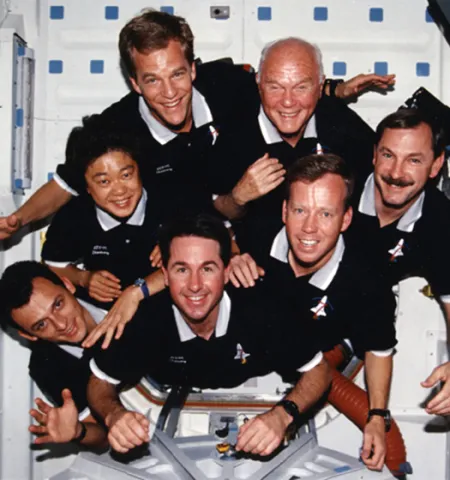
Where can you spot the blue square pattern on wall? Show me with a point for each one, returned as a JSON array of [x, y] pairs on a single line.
[[422, 69], [55, 66], [111, 12], [97, 66], [320, 14], [376, 15], [264, 13], [167, 9], [380, 68], [339, 68], [57, 12]]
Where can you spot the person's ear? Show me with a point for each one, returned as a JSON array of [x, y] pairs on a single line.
[[166, 276], [437, 165], [193, 71], [135, 85], [284, 211], [227, 274], [68, 284], [27, 336], [348, 215]]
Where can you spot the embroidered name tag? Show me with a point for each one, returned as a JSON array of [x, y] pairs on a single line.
[[164, 169], [100, 250], [175, 359]]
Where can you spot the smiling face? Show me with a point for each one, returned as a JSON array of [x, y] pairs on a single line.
[[114, 183], [404, 161], [290, 87], [52, 314], [314, 216], [164, 78], [196, 276]]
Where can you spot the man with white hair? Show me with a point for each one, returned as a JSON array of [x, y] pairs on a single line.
[[294, 117]]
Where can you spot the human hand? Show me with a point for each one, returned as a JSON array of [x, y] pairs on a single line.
[[116, 319], [440, 404], [374, 443], [57, 424], [102, 285], [155, 257], [262, 434], [244, 271], [260, 178], [126, 430], [9, 225], [357, 85]]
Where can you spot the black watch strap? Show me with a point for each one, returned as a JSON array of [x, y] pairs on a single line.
[[292, 409], [381, 412], [80, 437], [332, 84]]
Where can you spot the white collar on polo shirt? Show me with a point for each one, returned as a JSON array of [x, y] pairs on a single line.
[[201, 114], [223, 320], [324, 276], [407, 220], [271, 134]]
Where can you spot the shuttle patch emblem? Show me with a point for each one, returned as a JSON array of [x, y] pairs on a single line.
[[397, 251], [240, 354], [319, 309]]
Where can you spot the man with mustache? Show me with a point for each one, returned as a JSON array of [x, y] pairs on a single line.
[[401, 216]]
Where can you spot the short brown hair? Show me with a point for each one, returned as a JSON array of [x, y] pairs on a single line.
[[312, 167], [153, 30], [409, 118]]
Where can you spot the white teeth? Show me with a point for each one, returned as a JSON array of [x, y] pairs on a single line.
[[121, 203], [196, 299], [289, 115], [309, 243], [173, 104]]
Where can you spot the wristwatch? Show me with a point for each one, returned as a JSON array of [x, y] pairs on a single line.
[[142, 284], [381, 412], [332, 84], [291, 409], [83, 432]]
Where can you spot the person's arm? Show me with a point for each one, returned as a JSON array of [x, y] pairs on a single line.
[[260, 178], [262, 434], [44, 202], [101, 285], [440, 403], [359, 84], [126, 429], [378, 378], [62, 425], [123, 311]]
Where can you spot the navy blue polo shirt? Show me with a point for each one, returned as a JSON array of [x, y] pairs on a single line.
[[82, 233], [348, 298], [417, 244], [177, 164], [335, 126], [250, 339], [54, 367]]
